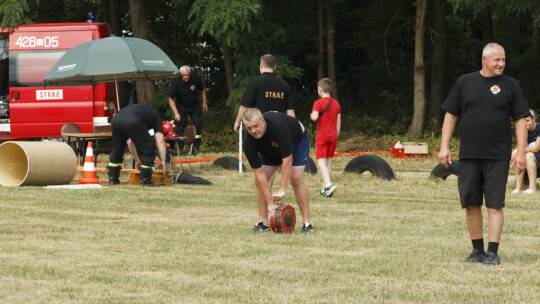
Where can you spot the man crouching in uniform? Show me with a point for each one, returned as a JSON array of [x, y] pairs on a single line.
[[142, 126]]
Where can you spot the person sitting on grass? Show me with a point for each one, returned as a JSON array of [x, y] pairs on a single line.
[[532, 156]]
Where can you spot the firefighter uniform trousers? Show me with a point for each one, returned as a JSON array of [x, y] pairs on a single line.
[[195, 113], [128, 124]]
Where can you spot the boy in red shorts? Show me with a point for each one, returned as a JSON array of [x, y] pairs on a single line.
[[327, 113]]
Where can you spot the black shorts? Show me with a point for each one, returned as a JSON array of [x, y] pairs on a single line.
[[482, 178]]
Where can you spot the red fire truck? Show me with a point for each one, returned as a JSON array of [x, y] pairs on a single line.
[[28, 109]]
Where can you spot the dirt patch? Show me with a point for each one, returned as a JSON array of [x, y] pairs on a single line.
[[362, 143]]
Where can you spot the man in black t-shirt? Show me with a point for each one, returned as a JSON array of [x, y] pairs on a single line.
[[274, 139], [142, 126], [266, 92], [185, 91], [485, 101]]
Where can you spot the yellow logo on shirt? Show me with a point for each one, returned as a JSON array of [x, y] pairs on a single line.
[[269, 94], [275, 144], [495, 89]]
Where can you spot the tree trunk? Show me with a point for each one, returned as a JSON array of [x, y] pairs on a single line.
[[535, 38], [438, 65], [227, 61], [105, 7], [330, 54], [531, 86], [114, 18], [482, 29], [50, 11], [419, 71], [320, 66], [139, 25]]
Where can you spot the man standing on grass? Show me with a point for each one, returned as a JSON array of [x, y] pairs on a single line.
[[485, 101], [184, 101], [274, 139], [266, 92]]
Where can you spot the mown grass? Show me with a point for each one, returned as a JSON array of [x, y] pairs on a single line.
[[376, 241]]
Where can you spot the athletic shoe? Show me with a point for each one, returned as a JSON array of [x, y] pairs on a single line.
[[491, 259], [515, 191], [307, 228], [322, 192], [329, 191], [475, 257], [260, 227], [528, 191]]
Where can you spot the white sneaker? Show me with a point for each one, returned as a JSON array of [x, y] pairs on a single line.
[[528, 191], [329, 191], [515, 191]]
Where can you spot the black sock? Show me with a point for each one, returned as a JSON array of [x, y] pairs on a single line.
[[493, 247], [478, 245]]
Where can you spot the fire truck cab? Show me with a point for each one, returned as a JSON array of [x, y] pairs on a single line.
[[28, 109]]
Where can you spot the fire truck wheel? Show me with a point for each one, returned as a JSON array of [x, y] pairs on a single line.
[[228, 162], [441, 172], [374, 164]]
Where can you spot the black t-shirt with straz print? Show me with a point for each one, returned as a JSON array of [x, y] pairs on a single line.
[[267, 92], [283, 134], [485, 107]]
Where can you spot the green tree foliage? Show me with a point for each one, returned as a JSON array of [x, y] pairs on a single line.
[[374, 50], [224, 20], [242, 25], [518, 7], [14, 12]]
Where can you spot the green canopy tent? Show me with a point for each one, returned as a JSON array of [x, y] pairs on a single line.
[[111, 59]]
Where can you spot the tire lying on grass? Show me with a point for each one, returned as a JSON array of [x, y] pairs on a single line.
[[374, 164], [231, 163], [228, 162], [441, 172], [311, 167]]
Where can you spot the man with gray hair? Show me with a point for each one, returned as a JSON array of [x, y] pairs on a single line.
[[486, 101], [184, 101]]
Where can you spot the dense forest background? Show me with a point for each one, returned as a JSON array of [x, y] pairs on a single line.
[[394, 61]]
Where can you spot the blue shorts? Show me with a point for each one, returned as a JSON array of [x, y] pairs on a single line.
[[300, 154]]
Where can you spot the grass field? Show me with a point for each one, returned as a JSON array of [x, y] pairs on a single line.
[[376, 241]]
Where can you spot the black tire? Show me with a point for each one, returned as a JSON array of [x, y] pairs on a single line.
[[311, 167], [441, 172], [228, 162], [374, 164]]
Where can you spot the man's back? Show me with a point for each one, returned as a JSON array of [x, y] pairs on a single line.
[[267, 92], [326, 122]]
